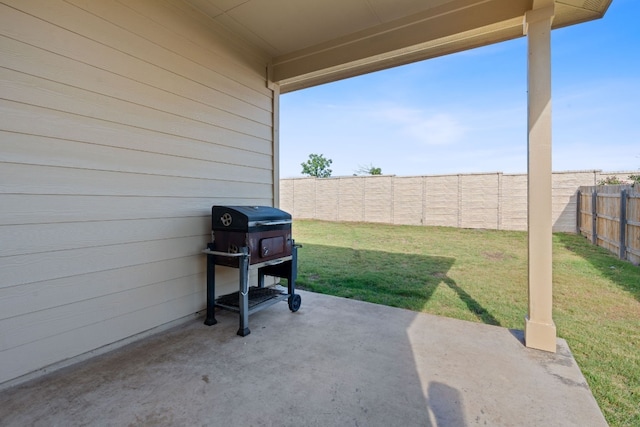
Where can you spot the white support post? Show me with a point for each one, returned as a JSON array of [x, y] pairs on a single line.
[[275, 135], [540, 330]]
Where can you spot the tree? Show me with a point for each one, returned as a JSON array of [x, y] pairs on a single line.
[[368, 170], [317, 166]]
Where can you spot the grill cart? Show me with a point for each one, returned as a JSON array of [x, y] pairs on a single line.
[[251, 239]]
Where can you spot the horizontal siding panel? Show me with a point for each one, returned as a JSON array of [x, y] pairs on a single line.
[[21, 330], [22, 360], [58, 264], [217, 145], [27, 179], [37, 150], [39, 238], [106, 46], [184, 97], [20, 209], [218, 49], [32, 90], [33, 297]]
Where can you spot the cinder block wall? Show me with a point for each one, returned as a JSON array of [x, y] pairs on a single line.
[[484, 200]]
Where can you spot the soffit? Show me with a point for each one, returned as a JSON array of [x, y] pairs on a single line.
[[315, 41]]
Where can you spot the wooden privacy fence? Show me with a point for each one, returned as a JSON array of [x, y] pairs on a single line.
[[486, 200], [610, 216]]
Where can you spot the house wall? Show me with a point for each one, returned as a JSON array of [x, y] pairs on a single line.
[[121, 124]]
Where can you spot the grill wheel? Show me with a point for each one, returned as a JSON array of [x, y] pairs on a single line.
[[294, 302]]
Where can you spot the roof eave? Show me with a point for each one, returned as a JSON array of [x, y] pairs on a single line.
[[357, 55]]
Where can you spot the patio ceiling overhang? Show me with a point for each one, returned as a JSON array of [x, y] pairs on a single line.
[[314, 42], [310, 42]]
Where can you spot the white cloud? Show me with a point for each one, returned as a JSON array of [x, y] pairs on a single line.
[[422, 126], [439, 129]]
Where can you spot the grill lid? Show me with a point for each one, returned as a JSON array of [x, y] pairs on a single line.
[[248, 218]]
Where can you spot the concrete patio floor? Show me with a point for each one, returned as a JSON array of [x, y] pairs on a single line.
[[336, 362]]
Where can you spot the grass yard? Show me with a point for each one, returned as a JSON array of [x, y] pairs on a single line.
[[481, 276]]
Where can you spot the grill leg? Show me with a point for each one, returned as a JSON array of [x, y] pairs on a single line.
[[211, 291], [243, 331], [293, 274]]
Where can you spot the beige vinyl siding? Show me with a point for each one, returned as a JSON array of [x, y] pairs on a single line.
[[121, 124]]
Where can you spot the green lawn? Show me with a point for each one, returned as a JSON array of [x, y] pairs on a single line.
[[481, 276]]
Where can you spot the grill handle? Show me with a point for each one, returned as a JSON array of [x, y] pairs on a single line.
[[261, 223], [274, 262], [227, 254]]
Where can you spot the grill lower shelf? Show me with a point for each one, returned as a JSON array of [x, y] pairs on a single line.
[[258, 298]]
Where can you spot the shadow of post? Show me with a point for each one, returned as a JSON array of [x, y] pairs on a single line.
[[474, 306], [446, 405]]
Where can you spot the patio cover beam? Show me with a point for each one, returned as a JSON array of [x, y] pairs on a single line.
[[449, 27], [540, 330]]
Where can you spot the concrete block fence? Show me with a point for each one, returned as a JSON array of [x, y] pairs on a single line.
[[481, 200]]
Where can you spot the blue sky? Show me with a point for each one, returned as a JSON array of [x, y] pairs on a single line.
[[466, 112]]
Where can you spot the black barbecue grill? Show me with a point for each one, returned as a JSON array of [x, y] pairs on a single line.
[[251, 238]]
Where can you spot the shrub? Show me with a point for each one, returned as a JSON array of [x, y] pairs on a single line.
[[611, 180]]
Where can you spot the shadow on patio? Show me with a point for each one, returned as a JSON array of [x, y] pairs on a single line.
[[336, 362]]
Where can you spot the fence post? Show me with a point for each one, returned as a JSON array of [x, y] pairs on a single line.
[[393, 200], [364, 200], [623, 224], [500, 201], [578, 211], [594, 217], [459, 201], [423, 214]]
